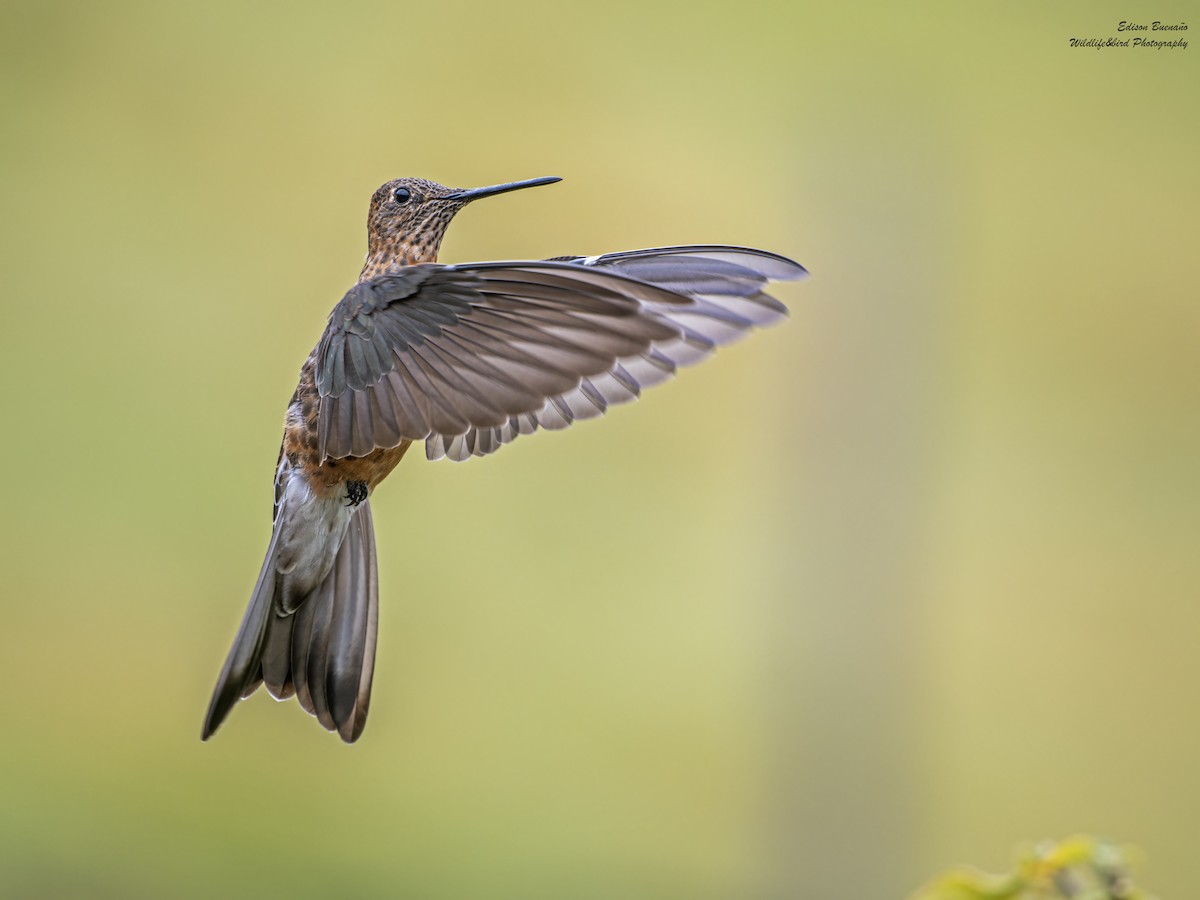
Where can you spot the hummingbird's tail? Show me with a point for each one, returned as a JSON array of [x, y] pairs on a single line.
[[320, 649]]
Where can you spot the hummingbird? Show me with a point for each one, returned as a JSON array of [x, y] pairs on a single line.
[[466, 358]]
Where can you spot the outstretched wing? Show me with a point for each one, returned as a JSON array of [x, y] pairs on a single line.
[[467, 357]]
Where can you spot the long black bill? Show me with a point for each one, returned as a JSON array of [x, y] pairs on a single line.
[[476, 193]]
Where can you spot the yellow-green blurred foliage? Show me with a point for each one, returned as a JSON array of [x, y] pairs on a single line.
[[899, 584], [1080, 868]]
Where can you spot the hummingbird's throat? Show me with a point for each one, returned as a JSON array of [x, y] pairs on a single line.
[[396, 252]]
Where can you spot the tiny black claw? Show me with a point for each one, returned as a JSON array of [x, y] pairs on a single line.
[[356, 492]]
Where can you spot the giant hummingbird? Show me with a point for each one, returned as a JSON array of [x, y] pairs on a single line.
[[466, 358]]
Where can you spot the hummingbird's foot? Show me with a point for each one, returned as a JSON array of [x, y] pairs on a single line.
[[356, 492]]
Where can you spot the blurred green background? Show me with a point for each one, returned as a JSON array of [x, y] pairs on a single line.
[[897, 585]]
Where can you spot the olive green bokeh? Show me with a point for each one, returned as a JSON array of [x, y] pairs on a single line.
[[899, 584]]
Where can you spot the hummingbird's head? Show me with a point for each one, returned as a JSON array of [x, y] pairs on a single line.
[[409, 217]]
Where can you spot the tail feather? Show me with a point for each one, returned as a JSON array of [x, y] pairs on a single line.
[[253, 685], [241, 671], [351, 662], [302, 629], [324, 653], [322, 602], [366, 673], [277, 656], [337, 658]]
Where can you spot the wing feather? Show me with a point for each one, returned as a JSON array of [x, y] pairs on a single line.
[[470, 357]]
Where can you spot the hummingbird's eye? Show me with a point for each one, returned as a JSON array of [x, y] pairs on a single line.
[[402, 194]]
